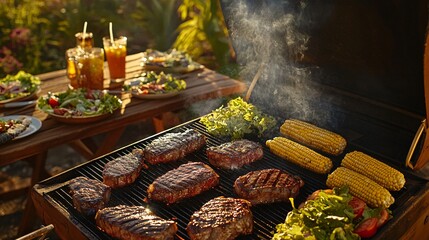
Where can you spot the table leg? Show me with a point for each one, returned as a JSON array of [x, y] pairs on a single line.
[[80, 147], [165, 120], [38, 174], [84, 147], [109, 141], [158, 124]]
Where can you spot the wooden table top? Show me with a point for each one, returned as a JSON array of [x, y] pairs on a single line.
[[201, 84]]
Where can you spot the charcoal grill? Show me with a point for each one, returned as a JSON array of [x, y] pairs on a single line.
[[52, 195], [378, 119]]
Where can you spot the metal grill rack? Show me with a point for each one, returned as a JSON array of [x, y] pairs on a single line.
[[266, 217]]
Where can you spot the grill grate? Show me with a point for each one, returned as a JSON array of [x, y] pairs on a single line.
[[266, 217]]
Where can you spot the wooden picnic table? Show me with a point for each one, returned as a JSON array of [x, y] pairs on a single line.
[[202, 84]]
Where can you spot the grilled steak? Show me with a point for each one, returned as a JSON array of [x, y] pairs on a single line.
[[221, 218], [267, 186], [186, 181], [235, 154], [123, 170], [134, 222], [174, 146], [89, 195]]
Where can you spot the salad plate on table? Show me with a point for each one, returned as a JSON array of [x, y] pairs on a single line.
[[152, 85], [79, 105], [15, 127], [171, 61], [20, 87]]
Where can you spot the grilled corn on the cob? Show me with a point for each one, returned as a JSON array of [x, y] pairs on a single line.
[[379, 172], [360, 186], [300, 155], [313, 136]]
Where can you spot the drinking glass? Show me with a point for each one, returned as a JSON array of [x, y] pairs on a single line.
[[115, 54], [89, 66]]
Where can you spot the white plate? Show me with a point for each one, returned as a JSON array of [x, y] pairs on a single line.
[[155, 95], [35, 125]]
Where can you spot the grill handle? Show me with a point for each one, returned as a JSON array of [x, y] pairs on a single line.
[[424, 153]]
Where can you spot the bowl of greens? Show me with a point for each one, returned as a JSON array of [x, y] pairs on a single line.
[[79, 105], [19, 87], [152, 85]]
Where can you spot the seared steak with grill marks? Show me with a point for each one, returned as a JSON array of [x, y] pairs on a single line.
[[267, 186], [221, 218], [89, 195], [134, 222], [186, 181], [235, 154], [123, 170], [174, 146]]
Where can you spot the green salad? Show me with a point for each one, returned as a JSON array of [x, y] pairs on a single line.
[[332, 214], [237, 119], [20, 85], [168, 59], [79, 102], [153, 83]]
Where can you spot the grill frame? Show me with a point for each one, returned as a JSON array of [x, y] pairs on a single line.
[[55, 191]]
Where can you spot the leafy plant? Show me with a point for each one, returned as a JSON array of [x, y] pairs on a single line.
[[29, 36], [159, 20], [203, 31]]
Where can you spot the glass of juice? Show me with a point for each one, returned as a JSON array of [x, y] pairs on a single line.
[[116, 52], [90, 68]]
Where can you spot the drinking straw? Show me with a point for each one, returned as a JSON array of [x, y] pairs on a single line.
[[84, 31], [111, 34]]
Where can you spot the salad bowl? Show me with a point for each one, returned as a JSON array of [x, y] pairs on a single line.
[[79, 105]]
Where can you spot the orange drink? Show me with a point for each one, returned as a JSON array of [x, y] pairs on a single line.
[[115, 54]]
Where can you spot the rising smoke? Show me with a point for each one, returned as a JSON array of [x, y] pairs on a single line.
[[269, 33]]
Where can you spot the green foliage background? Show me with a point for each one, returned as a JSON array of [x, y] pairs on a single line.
[[48, 28]]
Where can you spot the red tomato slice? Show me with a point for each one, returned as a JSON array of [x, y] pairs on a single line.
[[367, 228], [358, 206], [384, 216], [53, 102]]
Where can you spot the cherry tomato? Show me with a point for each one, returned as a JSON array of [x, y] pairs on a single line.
[[367, 228], [358, 206], [53, 102], [384, 216]]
